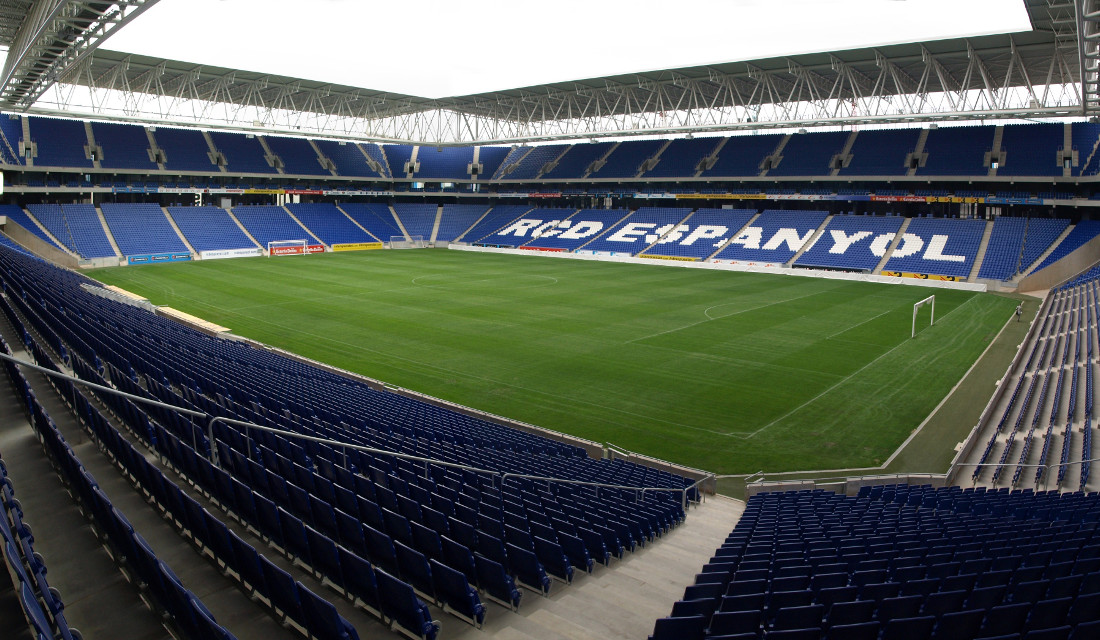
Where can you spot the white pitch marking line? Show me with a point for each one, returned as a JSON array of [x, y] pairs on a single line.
[[859, 325], [846, 378], [706, 312]]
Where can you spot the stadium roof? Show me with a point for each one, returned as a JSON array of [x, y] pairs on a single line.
[[1030, 74]]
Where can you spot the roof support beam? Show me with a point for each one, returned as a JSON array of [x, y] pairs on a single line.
[[899, 83], [1088, 35], [55, 36]]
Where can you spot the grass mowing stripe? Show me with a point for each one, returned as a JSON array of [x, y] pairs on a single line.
[[845, 379], [625, 353]]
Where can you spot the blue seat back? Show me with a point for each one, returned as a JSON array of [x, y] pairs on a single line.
[[322, 619], [359, 578], [452, 588], [526, 567], [282, 590], [494, 580], [400, 604], [414, 568]]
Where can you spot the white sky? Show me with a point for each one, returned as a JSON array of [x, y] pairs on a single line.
[[439, 48]]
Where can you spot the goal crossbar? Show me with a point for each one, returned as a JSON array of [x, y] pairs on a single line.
[[930, 300], [286, 247], [412, 242]]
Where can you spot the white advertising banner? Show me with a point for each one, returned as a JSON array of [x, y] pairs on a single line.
[[230, 253]]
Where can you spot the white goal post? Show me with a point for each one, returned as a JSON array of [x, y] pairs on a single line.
[[286, 247], [931, 320], [412, 242]]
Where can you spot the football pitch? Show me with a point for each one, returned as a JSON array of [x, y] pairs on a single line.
[[724, 371]]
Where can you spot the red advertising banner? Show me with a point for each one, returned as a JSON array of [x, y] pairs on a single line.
[[287, 251], [315, 248], [304, 192], [542, 249]]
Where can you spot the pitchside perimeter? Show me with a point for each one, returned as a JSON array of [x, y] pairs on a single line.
[[730, 372]]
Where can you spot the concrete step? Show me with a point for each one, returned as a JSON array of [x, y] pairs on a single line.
[[179, 232], [107, 232]]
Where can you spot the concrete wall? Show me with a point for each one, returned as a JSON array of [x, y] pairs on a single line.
[[1064, 269], [709, 484], [38, 246], [774, 269], [849, 486]]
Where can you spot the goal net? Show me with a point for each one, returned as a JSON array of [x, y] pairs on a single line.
[[286, 248], [930, 301], [412, 242]]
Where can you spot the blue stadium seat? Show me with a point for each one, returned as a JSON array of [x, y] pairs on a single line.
[[210, 229], [322, 619], [528, 570], [576, 551], [855, 243], [857, 631], [414, 569], [297, 156], [553, 558], [496, 583], [452, 588], [774, 238], [916, 628], [686, 628], [61, 142], [401, 606], [938, 246]]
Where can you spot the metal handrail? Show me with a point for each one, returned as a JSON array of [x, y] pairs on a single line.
[[346, 445], [600, 485], [337, 443], [616, 449], [723, 476], [695, 485], [99, 387]]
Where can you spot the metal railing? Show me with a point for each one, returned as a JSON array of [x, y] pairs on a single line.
[[211, 420], [672, 467]]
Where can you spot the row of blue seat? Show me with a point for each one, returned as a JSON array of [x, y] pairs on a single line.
[[42, 605], [187, 611], [518, 531], [1067, 324], [388, 597], [900, 562], [950, 151], [382, 594]]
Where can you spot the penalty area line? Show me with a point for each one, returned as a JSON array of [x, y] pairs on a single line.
[[844, 379], [706, 312], [854, 326]]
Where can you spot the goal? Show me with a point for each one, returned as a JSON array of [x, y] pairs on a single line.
[[286, 248], [930, 300], [412, 242]]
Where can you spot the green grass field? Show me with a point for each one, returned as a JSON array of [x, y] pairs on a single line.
[[729, 372]]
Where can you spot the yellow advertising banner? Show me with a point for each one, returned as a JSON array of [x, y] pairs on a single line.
[[357, 246], [922, 276], [265, 192], [656, 257], [955, 200]]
